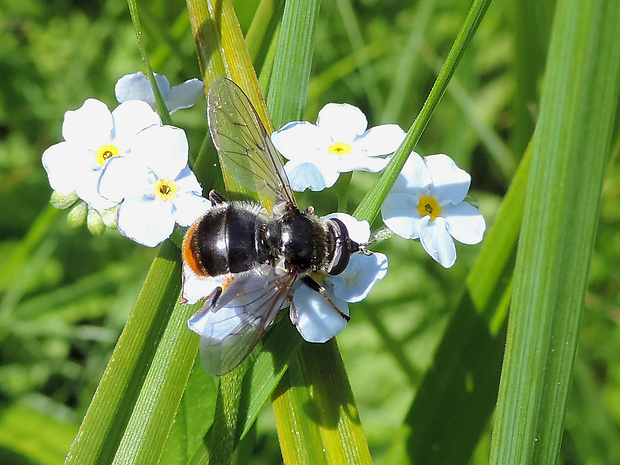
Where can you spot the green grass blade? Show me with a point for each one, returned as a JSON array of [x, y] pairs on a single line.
[[317, 419], [288, 87], [531, 40], [369, 207], [193, 419], [330, 432], [139, 376], [243, 392], [264, 24], [570, 154], [457, 395]]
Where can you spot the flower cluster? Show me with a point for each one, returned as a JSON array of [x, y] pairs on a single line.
[[427, 201], [126, 165], [125, 161], [338, 143]]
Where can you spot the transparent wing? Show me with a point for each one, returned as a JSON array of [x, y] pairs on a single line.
[[231, 326], [242, 141]]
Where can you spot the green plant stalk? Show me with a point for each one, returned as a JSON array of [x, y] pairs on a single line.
[[571, 149], [243, 392], [242, 400], [315, 410], [162, 109], [264, 24], [336, 436], [120, 396], [288, 86], [371, 203], [457, 394], [503, 161]]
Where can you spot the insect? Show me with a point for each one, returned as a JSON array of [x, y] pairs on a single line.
[[249, 256]]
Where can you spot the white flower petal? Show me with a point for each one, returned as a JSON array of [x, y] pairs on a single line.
[[464, 222], [135, 86], [64, 165], [87, 191], [125, 177], [196, 287], [343, 122], [380, 140], [307, 175], [357, 161], [164, 149], [437, 241], [315, 318], [138, 87], [187, 182], [185, 95], [414, 178], [90, 126], [400, 214], [359, 231], [359, 277], [129, 119], [145, 220], [450, 183], [188, 207], [300, 140]]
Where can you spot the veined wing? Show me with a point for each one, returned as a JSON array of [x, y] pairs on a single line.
[[243, 143], [231, 326]]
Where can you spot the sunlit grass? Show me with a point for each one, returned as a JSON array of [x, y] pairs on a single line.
[[65, 295]]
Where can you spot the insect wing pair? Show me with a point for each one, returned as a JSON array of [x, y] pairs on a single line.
[[237, 313]]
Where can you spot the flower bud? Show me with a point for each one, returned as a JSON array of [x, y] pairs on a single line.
[[95, 223], [63, 200], [77, 215]]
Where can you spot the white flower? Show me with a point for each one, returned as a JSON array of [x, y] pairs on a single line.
[[338, 143], [137, 87], [427, 202], [319, 318], [93, 136], [155, 186]]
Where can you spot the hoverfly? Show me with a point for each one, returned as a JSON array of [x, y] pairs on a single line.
[[243, 259]]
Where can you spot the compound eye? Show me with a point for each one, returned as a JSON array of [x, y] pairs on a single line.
[[342, 247]]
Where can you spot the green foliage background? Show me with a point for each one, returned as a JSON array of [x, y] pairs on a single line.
[[65, 295]]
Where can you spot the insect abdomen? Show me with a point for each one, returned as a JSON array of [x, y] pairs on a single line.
[[225, 240]]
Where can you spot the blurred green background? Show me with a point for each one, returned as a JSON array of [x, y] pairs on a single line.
[[65, 295]]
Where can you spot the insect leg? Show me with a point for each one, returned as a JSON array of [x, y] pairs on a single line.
[[312, 284], [216, 295], [216, 198]]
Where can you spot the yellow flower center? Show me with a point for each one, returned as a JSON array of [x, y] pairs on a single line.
[[428, 206], [165, 189], [105, 152], [339, 148]]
